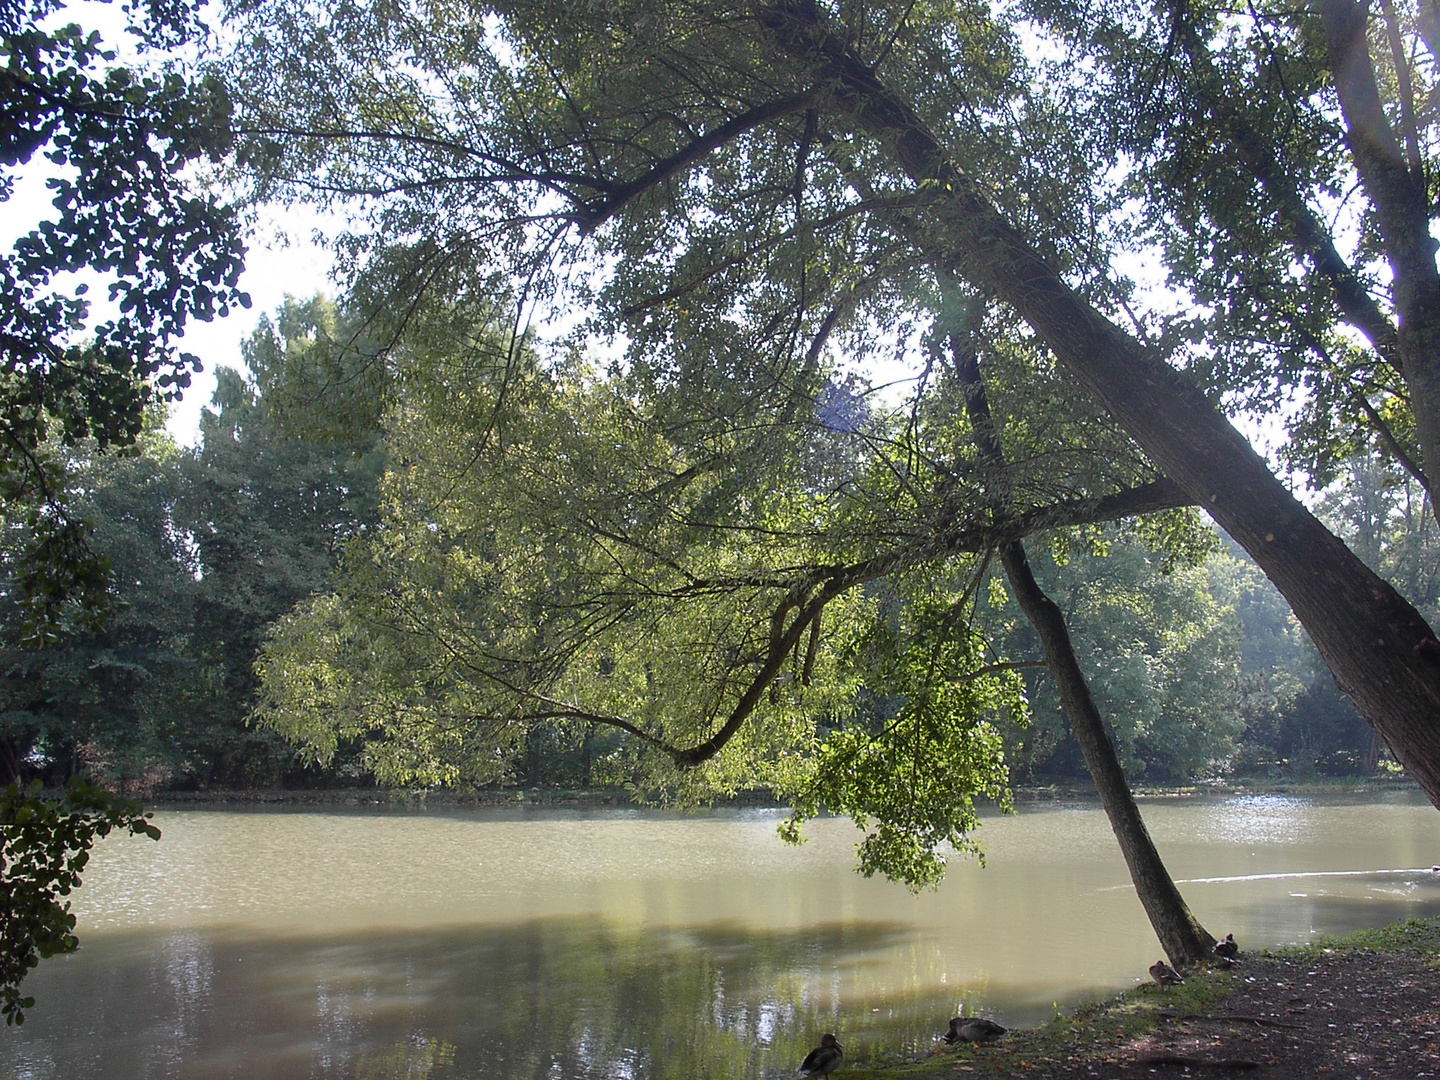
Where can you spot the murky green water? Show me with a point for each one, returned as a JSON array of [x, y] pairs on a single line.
[[630, 946]]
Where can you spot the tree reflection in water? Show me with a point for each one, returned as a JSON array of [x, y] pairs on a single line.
[[563, 998]]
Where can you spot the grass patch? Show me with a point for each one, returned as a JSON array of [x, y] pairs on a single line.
[[1421, 936]]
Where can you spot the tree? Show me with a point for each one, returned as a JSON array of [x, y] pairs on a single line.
[[1239, 132], [1384, 516], [1162, 651], [562, 546], [1180, 933], [267, 502], [749, 173], [107, 700], [120, 143], [206, 547]]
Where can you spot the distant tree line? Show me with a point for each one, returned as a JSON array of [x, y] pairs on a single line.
[[207, 546]]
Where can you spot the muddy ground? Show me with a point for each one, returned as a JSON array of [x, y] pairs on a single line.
[[1362, 1007]]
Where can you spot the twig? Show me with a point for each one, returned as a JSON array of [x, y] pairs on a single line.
[[1197, 1062], [1263, 1021]]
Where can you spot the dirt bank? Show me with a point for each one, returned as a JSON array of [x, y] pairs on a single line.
[[1366, 1007]]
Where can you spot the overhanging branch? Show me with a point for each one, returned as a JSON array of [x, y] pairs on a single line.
[[596, 214]]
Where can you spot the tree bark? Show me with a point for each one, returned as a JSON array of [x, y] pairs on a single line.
[[1182, 937], [1381, 651]]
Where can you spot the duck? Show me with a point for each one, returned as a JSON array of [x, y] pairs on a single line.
[[1227, 949], [824, 1059], [975, 1029], [1165, 975]]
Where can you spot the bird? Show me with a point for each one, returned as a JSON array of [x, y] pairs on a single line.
[[1227, 949], [823, 1060], [1165, 975], [976, 1029]]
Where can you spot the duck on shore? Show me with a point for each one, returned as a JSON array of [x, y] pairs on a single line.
[[1227, 949], [1165, 975], [824, 1059], [974, 1029]]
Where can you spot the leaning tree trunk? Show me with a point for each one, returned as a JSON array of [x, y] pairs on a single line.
[[1382, 652], [1182, 937]]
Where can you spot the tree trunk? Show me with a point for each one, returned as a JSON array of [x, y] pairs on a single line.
[[1371, 764], [1182, 937], [1400, 195], [534, 758], [1382, 653], [1184, 940]]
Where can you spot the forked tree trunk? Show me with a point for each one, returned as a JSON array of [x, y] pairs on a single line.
[[1399, 192], [1182, 937], [1382, 652]]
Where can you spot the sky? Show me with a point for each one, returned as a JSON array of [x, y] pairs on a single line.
[[282, 261]]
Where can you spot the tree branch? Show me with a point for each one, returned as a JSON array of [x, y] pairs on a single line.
[[1387, 436], [1406, 89], [596, 214], [1309, 234]]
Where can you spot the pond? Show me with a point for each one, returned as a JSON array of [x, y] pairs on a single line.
[[627, 945]]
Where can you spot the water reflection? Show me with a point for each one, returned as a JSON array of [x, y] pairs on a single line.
[[592, 946], [1261, 819], [414, 1058], [554, 997]]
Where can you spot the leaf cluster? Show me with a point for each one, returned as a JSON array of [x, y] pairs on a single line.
[[911, 781], [121, 145], [44, 845]]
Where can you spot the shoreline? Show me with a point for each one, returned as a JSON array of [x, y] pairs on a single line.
[[1362, 1006], [620, 798]]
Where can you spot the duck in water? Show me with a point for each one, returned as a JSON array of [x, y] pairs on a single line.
[[823, 1060], [976, 1029]]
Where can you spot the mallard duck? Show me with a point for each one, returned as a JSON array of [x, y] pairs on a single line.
[[975, 1029], [1227, 949], [823, 1060], [1165, 975]]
